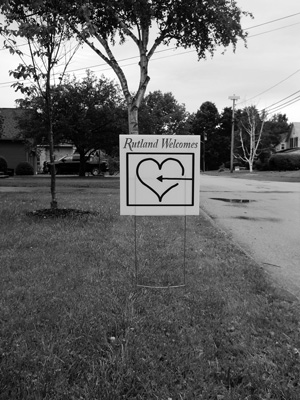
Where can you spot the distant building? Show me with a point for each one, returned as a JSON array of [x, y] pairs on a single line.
[[15, 149], [12, 146], [291, 139]]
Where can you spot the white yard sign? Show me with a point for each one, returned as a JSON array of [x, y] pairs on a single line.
[[159, 175]]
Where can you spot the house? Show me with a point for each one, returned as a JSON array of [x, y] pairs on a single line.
[[12, 146], [15, 149], [291, 139]]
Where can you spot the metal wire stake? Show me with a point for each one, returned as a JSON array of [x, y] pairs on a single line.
[[136, 261]]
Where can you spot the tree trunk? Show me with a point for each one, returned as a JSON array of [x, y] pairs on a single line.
[[48, 99], [53, 203], [133, 123]]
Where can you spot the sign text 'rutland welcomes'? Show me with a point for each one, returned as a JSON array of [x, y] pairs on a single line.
[[166, 143]]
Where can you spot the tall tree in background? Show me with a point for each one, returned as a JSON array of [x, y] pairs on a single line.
[[46, 34], [273, 129], [160, 113], [251, 127], [203, 26], [87, 113], [205, 124]]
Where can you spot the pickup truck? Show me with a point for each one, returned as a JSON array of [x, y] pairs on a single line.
[[71, 164]]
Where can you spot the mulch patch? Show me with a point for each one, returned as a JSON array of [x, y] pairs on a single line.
[[59, 213]]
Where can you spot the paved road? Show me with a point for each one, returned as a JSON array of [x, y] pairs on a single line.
[[264, 218]]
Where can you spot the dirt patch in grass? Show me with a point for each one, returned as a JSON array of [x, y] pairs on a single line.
[[59, 213]]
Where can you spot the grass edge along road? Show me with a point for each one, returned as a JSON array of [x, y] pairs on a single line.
[[74, 326]]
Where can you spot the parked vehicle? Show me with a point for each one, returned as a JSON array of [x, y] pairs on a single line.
[[71, 164]]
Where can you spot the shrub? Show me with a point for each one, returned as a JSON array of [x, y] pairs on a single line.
[[113, 165], [236, 163], [3, 165], [287, 161], [261, 165], [24, 168]]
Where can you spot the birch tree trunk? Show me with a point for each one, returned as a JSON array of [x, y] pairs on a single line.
[[253, 127], [133, 123]]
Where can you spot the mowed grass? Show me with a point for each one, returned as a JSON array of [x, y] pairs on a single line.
[[74, 325]]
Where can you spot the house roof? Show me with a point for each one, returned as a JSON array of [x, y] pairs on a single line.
[[10, 123], [285, 137]]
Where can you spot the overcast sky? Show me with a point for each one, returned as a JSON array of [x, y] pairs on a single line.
[[267, 72]]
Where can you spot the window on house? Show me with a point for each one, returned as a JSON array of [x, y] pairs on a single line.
[[296, 142], [291, 143]]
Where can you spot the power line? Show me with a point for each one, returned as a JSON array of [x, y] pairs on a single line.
[[164, 50], [280, 106], [293, 94], [273, 30], [274, 20], [284, 105], [272, 87]]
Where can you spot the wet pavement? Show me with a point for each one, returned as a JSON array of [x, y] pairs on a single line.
[[263, 218]]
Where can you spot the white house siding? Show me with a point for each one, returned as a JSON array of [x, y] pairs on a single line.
[[291, 140], [294, 140]]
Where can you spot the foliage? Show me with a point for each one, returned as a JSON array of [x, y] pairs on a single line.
[[46, 34], [205, 123], [3, 165], [113, 165], [24, 168], [87, 113], [273, 129], [262, 161], [161, 114], [285, 161], [198, 25], [250, 129]]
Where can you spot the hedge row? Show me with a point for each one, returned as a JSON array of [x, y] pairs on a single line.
[[3, 165], [287, 161]]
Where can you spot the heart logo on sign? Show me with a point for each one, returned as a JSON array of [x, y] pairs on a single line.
[[148, 178]]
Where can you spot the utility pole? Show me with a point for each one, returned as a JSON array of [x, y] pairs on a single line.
[[234, 98]]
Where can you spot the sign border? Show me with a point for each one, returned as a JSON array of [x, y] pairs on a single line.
[[191, 204]]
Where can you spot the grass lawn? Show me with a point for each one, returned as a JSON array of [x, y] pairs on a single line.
[[73, 324]]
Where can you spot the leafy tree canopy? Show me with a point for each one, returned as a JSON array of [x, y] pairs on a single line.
[[206, 120], [86, 113], [202, 25], [274, 128], [46, 33], [160, 114]]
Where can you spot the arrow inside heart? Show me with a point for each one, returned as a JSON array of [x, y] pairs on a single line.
[[160, 178]]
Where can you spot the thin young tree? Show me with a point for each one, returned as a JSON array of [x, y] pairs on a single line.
[[251, 127], [47, 37], [202, 25]]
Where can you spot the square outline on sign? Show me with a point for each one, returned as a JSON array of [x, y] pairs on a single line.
[[161, 205]]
